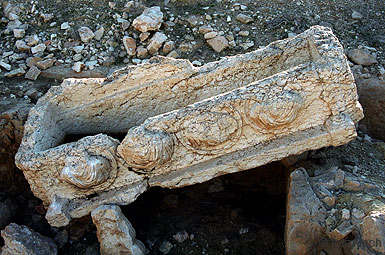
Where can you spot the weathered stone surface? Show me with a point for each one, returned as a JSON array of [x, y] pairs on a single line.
[[21, 240], [150, 20], [184, 124], [115, 233], [305, 215], [372, 98]]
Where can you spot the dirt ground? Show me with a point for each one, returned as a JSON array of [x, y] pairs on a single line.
[[243, 213]]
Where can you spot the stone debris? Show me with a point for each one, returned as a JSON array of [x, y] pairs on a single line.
[[40, 48], [356, 15], [115, 233], [244, 18], [45, 64], [218, 43], [5, 66], [21, 240], [14, 73], [230, 122], [78, 67], [99, 33], [64, 26], [342, 231], [18, 32], [32, 73], [373, 231], [305, 215], [86, 34], [130, 45], [150, 20], [156, 42], [361, 57], [181, 236], [166, 247]]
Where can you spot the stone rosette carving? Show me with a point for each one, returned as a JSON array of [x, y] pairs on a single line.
[[95, 168], [210, 131], [145, 149], [267, 115], [183, 124]]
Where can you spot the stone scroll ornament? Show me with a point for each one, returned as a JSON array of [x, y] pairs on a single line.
[[91, 142]]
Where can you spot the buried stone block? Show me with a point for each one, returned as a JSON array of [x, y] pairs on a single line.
[[183, 124]]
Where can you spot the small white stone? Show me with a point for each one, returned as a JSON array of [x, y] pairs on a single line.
[[64, 26], [5, 66], [18, 32], [78, 49], [86, 34], [77, 67], [210, 35], [38, 48], [345, 214], [356, 15]]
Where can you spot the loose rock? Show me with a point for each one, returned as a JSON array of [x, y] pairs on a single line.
[[156, 42], [21, 240], [32, 73], [244, 18], [86, 34], [218, 43], [361, 57], [130, 45], [115, 233], [150, 20]]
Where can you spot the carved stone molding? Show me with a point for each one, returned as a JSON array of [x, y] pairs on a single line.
[[184, 125]]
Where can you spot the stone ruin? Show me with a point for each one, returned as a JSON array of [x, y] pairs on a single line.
[[104, 141]]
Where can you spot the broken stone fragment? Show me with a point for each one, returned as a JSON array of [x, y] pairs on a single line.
[[21, 240], [244, 18], [38, 48], [373, 231], [32, 73], [156, 42], [14, 73], [45, 64], [341, 231], [99, 33], [305, 215], [86, 34], [78, 67], [150, 20], [218, 43], [115, 233], [5, 66], [21, 46], [130, 45], [185, 125]]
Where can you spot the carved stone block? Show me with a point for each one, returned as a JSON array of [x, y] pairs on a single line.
[[166, 123]]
